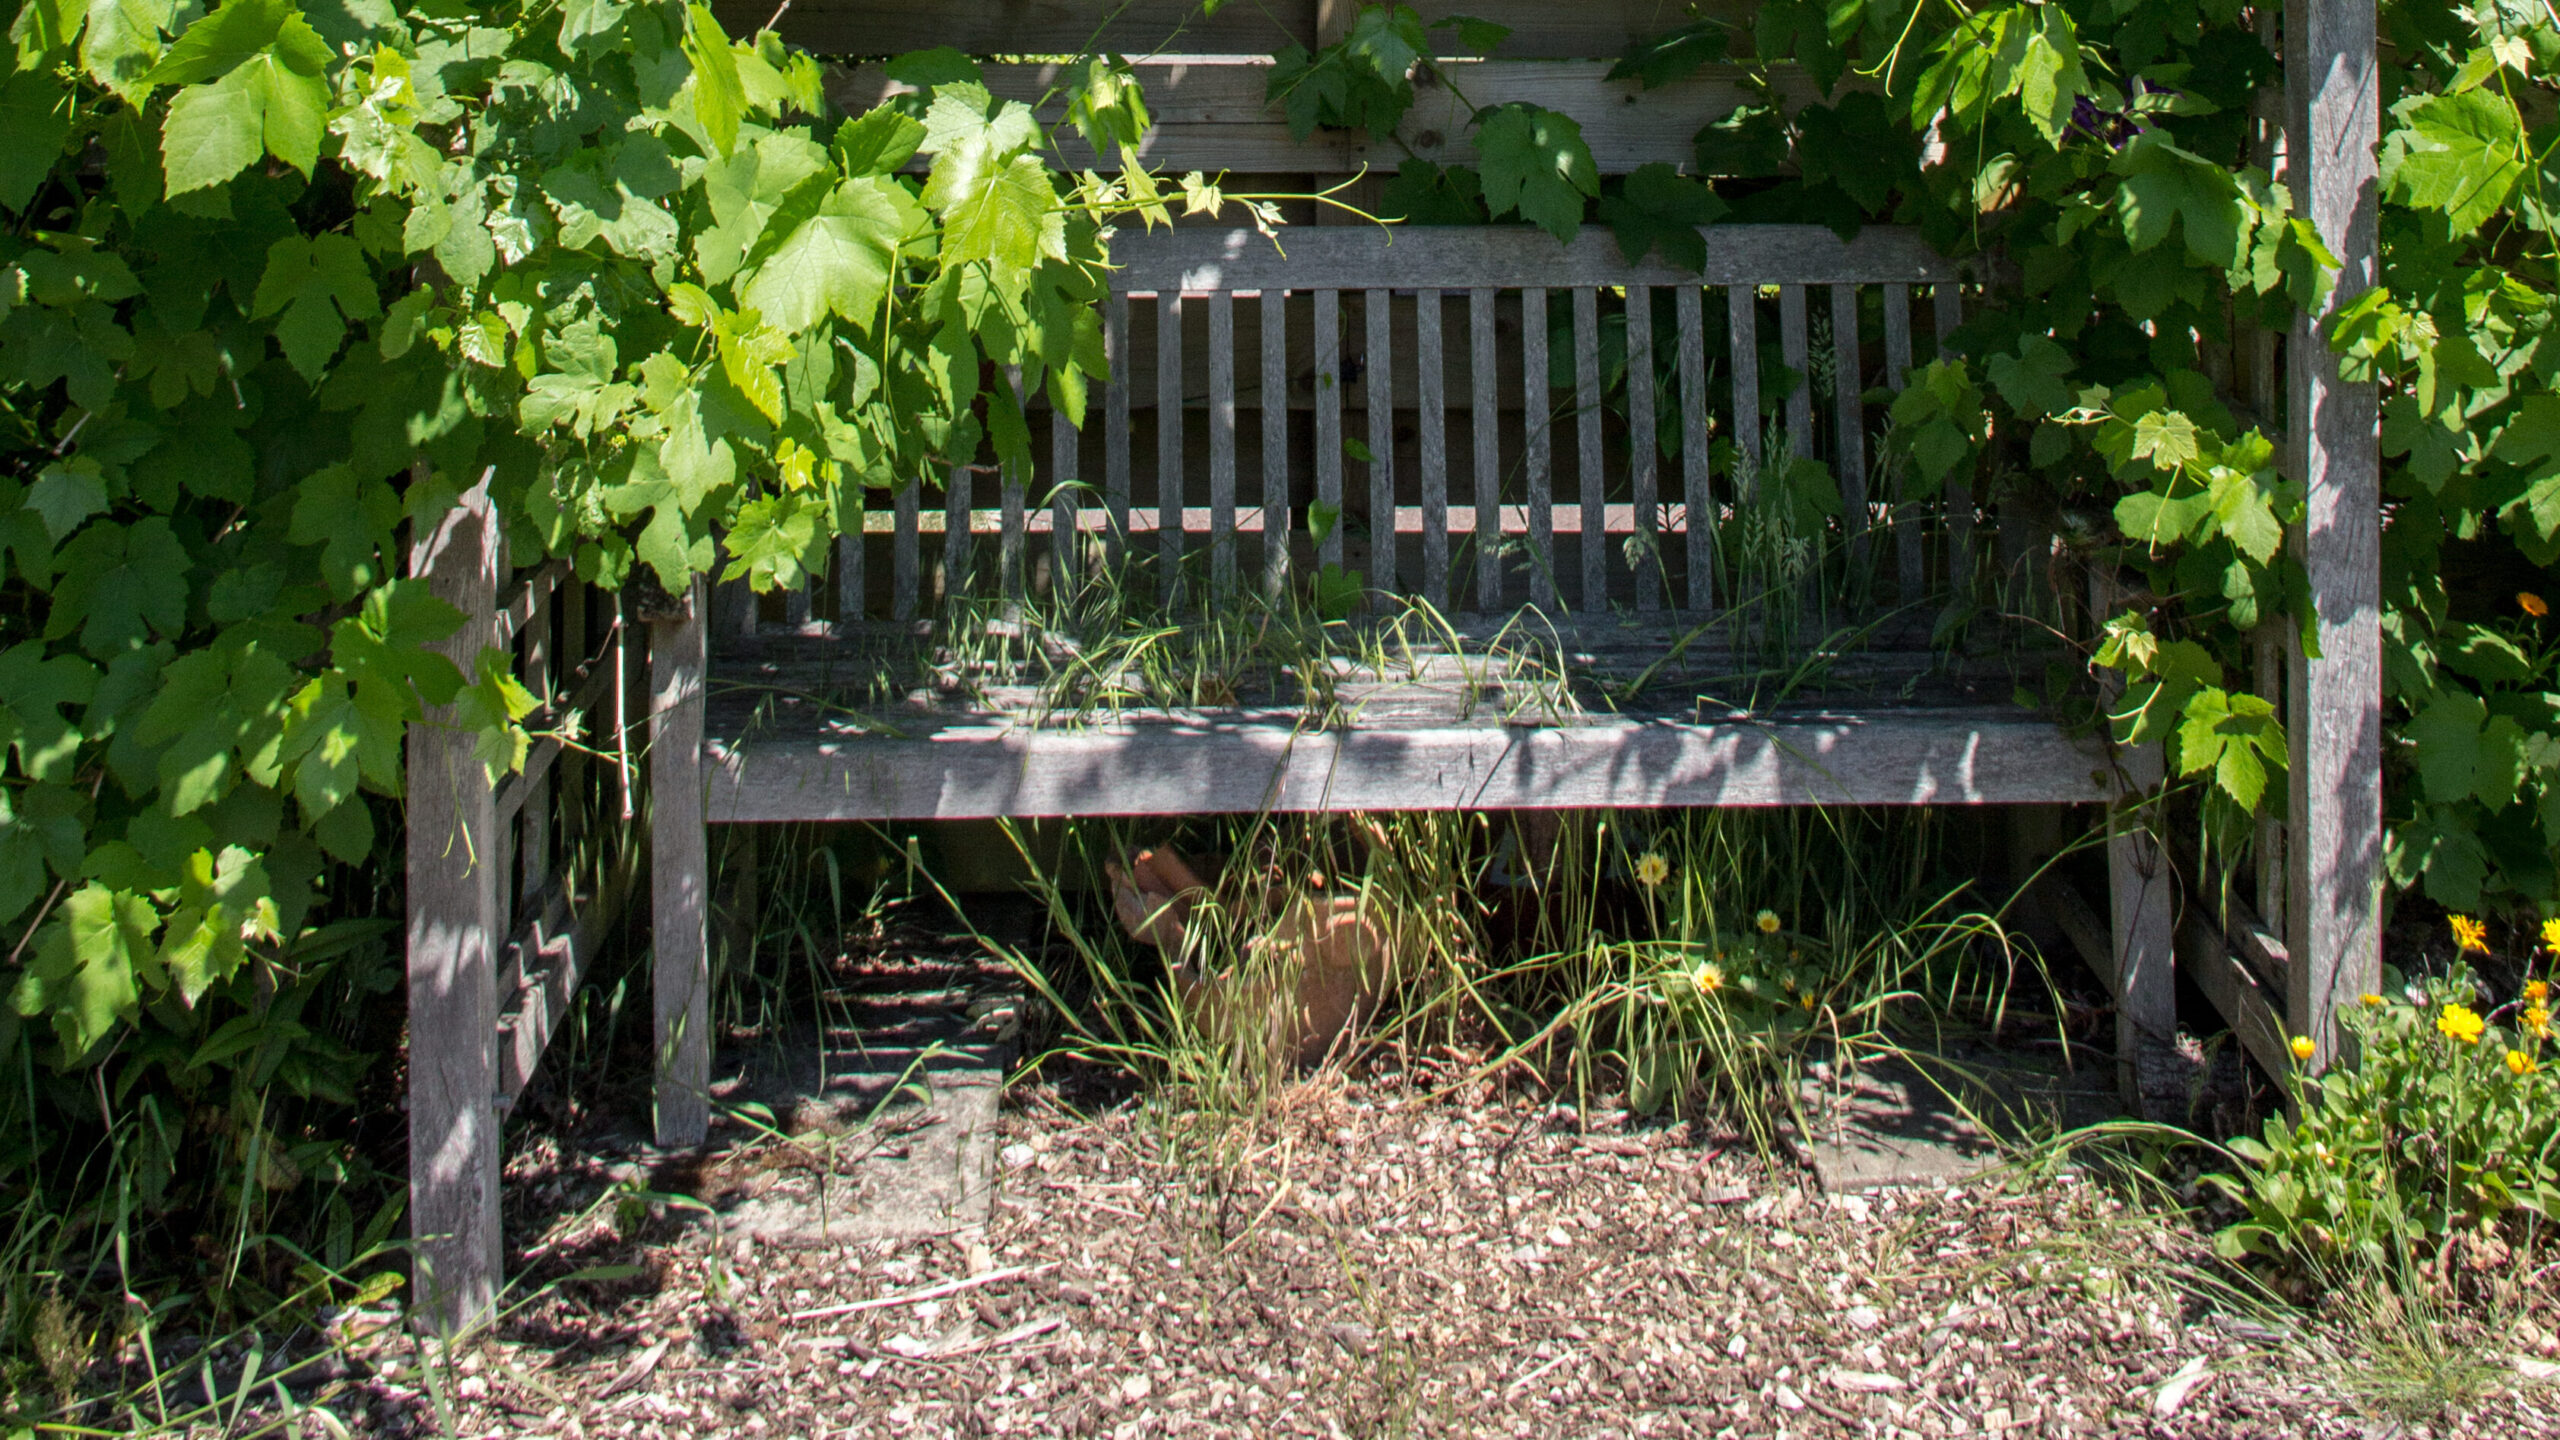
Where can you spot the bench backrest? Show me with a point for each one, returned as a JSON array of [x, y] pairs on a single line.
[[1445, 411]]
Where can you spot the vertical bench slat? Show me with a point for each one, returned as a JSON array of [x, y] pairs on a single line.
[[1378, 390], [795, 603], [1537, 412], [1169, 507], [1115, 431], [906, 564], [453, 939], [1329, 422], [1275, 443], [1587, 453], [1484, 421], [1431, 420], [1064, 503], [1699, 504], [1949, 302], [577, 646], [680, 868], [1793, 345], [1742, 314], [1851, 408], [1015, 485], [1222, 444], [533, 844], [849, 546], [1909, 559], [956, 539], [1641, 448]]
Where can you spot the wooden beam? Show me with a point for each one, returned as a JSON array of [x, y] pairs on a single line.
[[680, 878], [1511, 257], [455, 842], [2333, 886], [2247, 1007], [1210, 114], [1244, 764], [2142, 906]]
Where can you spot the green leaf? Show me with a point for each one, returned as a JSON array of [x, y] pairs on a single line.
[[490, 708], [1482, 36], [878, 142], [119, 584], [2164, 184], [1535, 163], [2244, 510], [223, 904], [839, 260], [1658, 208], [719, 94], [2447, 734], [1386, 40], [67, 493], [770, 537], [225, 38], [1672, 55], [2032, 379], [89, 967], [2458, 154], [34, 690], [1859, 144], [35, 113], [352, 521], [213, 131]]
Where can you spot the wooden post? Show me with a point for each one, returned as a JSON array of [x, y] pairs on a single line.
[[2334, 703], [679, 873], [455, 847]]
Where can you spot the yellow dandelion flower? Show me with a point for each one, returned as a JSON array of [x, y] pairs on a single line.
[[1652, 869], [2371, 1000], [2302, 1047], [2551, 934], [2461, 1022], [1767, 920], [2469, 934], [2531, 604], [2519, 1063], [2537, 1022], [2537, 991]]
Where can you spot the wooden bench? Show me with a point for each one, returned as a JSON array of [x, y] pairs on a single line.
[[1242, 379]]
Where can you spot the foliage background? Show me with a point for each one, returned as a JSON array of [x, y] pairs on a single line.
[[276, 280]]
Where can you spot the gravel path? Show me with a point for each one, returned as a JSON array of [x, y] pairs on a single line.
[[1377, 1261]]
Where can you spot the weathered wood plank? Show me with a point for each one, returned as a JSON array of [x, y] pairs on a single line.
[[680, 879], [1948, 302], [1850, 408], [1795, 347], [1643, 449], [1588, 467], [549, 956], [1198, 261], [1431, 424], [905, 564], [1910, 562], [1210, 115], [1328, 322], [1115, 430], [1015, 484], [454, 924], [1169, 496], [1066, 495], [2333, 888], [1237, 766], [1484, 421], [2247, 1007], [2142, 905], [957, 533], [1222, 445], [1695, 405], [1275, 443], [1377, 381], [533, 824], [1742, 317], [1538, 410]]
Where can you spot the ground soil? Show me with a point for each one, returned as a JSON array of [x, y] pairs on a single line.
[[1408, 1254]]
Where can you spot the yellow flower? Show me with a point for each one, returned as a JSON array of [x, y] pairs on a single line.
[[1709, 978], [2302, 1047], [2468, 933], [1808, 1002], [2461, 1022], [2537, 991], [2551, 934], [2371, 1000], [2531, 604], [2519, 1063], [2537, 1022], [1652, 869], [1767, 920]]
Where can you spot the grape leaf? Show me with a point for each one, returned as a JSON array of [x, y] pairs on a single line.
[[1659, 60], [1477, 34], [1659, 208], [34, 690], [1534, 163], [837, 261], [2458, 154], [35, 114], [89, 966]]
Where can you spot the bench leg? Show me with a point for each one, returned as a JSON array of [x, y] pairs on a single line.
[[2142, 901], [679, 875], [453, 918]]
